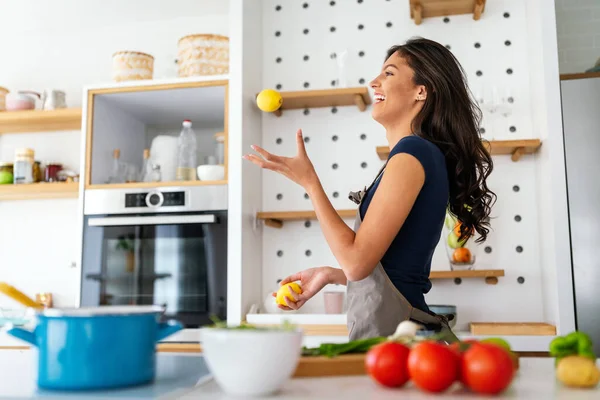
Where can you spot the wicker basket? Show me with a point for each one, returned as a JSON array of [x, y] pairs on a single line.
[[132, 66], [3, 92], [203, 54]]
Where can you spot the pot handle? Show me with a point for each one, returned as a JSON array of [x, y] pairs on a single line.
[[167, 329], [23, 334]]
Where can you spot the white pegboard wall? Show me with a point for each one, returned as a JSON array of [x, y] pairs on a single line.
[[299, 38]]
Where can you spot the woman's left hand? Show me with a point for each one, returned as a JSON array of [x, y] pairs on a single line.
[[299, 169]]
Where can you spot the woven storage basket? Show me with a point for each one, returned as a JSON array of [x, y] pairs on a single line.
[[132, 66], [203, 54], [3, 92]]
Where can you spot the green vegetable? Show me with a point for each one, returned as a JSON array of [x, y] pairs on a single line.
[[336, 349], [575, 343], [285, 326]]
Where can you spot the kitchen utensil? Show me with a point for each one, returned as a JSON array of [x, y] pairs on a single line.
[[18, 296], [203, 54], [211, 172], [448, 311], [131, 66], [250, 362], [22, 100], [3, 93], [53, 99], [97, 347]]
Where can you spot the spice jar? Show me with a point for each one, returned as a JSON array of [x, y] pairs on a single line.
[[6, 173], [52, 170], [38, 175], [23, 168]]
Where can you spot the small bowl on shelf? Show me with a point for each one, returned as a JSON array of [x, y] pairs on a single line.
[[209, 172], [448, 311]]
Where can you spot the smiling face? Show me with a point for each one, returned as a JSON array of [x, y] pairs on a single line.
[[397, 99]]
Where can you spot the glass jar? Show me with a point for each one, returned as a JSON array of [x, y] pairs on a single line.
[[51, 172], [461, 253], [6, 173], [220, 150], [38, 175], [23, 167]]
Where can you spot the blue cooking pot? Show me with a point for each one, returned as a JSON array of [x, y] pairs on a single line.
[[97, 348]]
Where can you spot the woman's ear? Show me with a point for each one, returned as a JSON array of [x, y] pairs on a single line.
[[422, 93]]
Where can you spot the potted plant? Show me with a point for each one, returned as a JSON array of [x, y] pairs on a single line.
[[126, 244]]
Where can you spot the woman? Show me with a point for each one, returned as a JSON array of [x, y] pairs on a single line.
[[437, 161]]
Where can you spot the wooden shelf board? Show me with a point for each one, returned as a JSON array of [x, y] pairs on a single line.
[[490, 275], [581, 75], [513, 328], [516, 148], [301, 99], [64, 119], [275, 219], [420, 9], [144, 185], [39, 191]]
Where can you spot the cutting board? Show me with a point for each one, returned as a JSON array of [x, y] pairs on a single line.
[[344, 365]]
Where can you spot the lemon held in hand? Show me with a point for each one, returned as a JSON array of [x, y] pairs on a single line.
[[284, 291], [269, 100]]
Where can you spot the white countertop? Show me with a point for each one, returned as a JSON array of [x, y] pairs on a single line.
[[535, 380], [186, 377]]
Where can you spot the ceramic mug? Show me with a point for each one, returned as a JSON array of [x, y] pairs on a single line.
[[97, 347]]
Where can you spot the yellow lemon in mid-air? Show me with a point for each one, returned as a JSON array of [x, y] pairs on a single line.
[[284, 291], [269, 100]]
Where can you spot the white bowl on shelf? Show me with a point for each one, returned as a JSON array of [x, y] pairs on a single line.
[[209, 172], [248, 362]]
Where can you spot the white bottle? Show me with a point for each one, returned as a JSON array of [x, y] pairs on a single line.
[[186, 153]]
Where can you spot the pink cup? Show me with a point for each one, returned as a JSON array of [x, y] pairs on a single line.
[[334, 302]]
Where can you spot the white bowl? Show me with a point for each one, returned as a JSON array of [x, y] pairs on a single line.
[[251, 362], [211, 172]]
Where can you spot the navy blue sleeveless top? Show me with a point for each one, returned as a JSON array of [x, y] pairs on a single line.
[[408, 259]]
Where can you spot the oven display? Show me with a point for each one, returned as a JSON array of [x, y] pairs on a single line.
[[154, 199]]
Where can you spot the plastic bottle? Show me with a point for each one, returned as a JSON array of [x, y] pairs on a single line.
[[186, 151]]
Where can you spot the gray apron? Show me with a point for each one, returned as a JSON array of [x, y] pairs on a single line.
[[376, 306]]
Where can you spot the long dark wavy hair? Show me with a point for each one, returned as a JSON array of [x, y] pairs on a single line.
[[450, 119]]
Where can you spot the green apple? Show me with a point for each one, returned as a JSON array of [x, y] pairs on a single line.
[[5, 177], [450, 221], [453, 241]]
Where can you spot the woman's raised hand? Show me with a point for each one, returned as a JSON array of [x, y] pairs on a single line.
[[299, 168]]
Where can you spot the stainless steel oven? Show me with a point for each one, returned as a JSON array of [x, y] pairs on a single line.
[[165, 246]]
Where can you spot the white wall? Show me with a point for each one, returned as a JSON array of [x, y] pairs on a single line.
[[578, 23], [68, 44]]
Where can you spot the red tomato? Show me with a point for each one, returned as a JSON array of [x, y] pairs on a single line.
[[487, 368], [433, 367], [386, 364]]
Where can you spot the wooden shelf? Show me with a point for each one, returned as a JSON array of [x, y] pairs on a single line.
[[36, 191], [145, 185], [358, 96], [420, 9], [513, 328], [65, 119], [490, 275], [581, 75], [514, 148], [275, 219]]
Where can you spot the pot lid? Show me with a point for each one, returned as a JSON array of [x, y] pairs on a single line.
[[101, 311]]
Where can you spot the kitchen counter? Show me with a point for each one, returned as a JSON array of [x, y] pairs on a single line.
[[181, 376]]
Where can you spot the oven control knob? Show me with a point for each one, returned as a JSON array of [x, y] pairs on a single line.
[[154, 199]]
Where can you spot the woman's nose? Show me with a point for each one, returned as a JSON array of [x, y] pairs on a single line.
[[374, 83]]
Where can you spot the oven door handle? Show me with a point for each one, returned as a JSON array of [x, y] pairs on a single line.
[[153, 220]]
